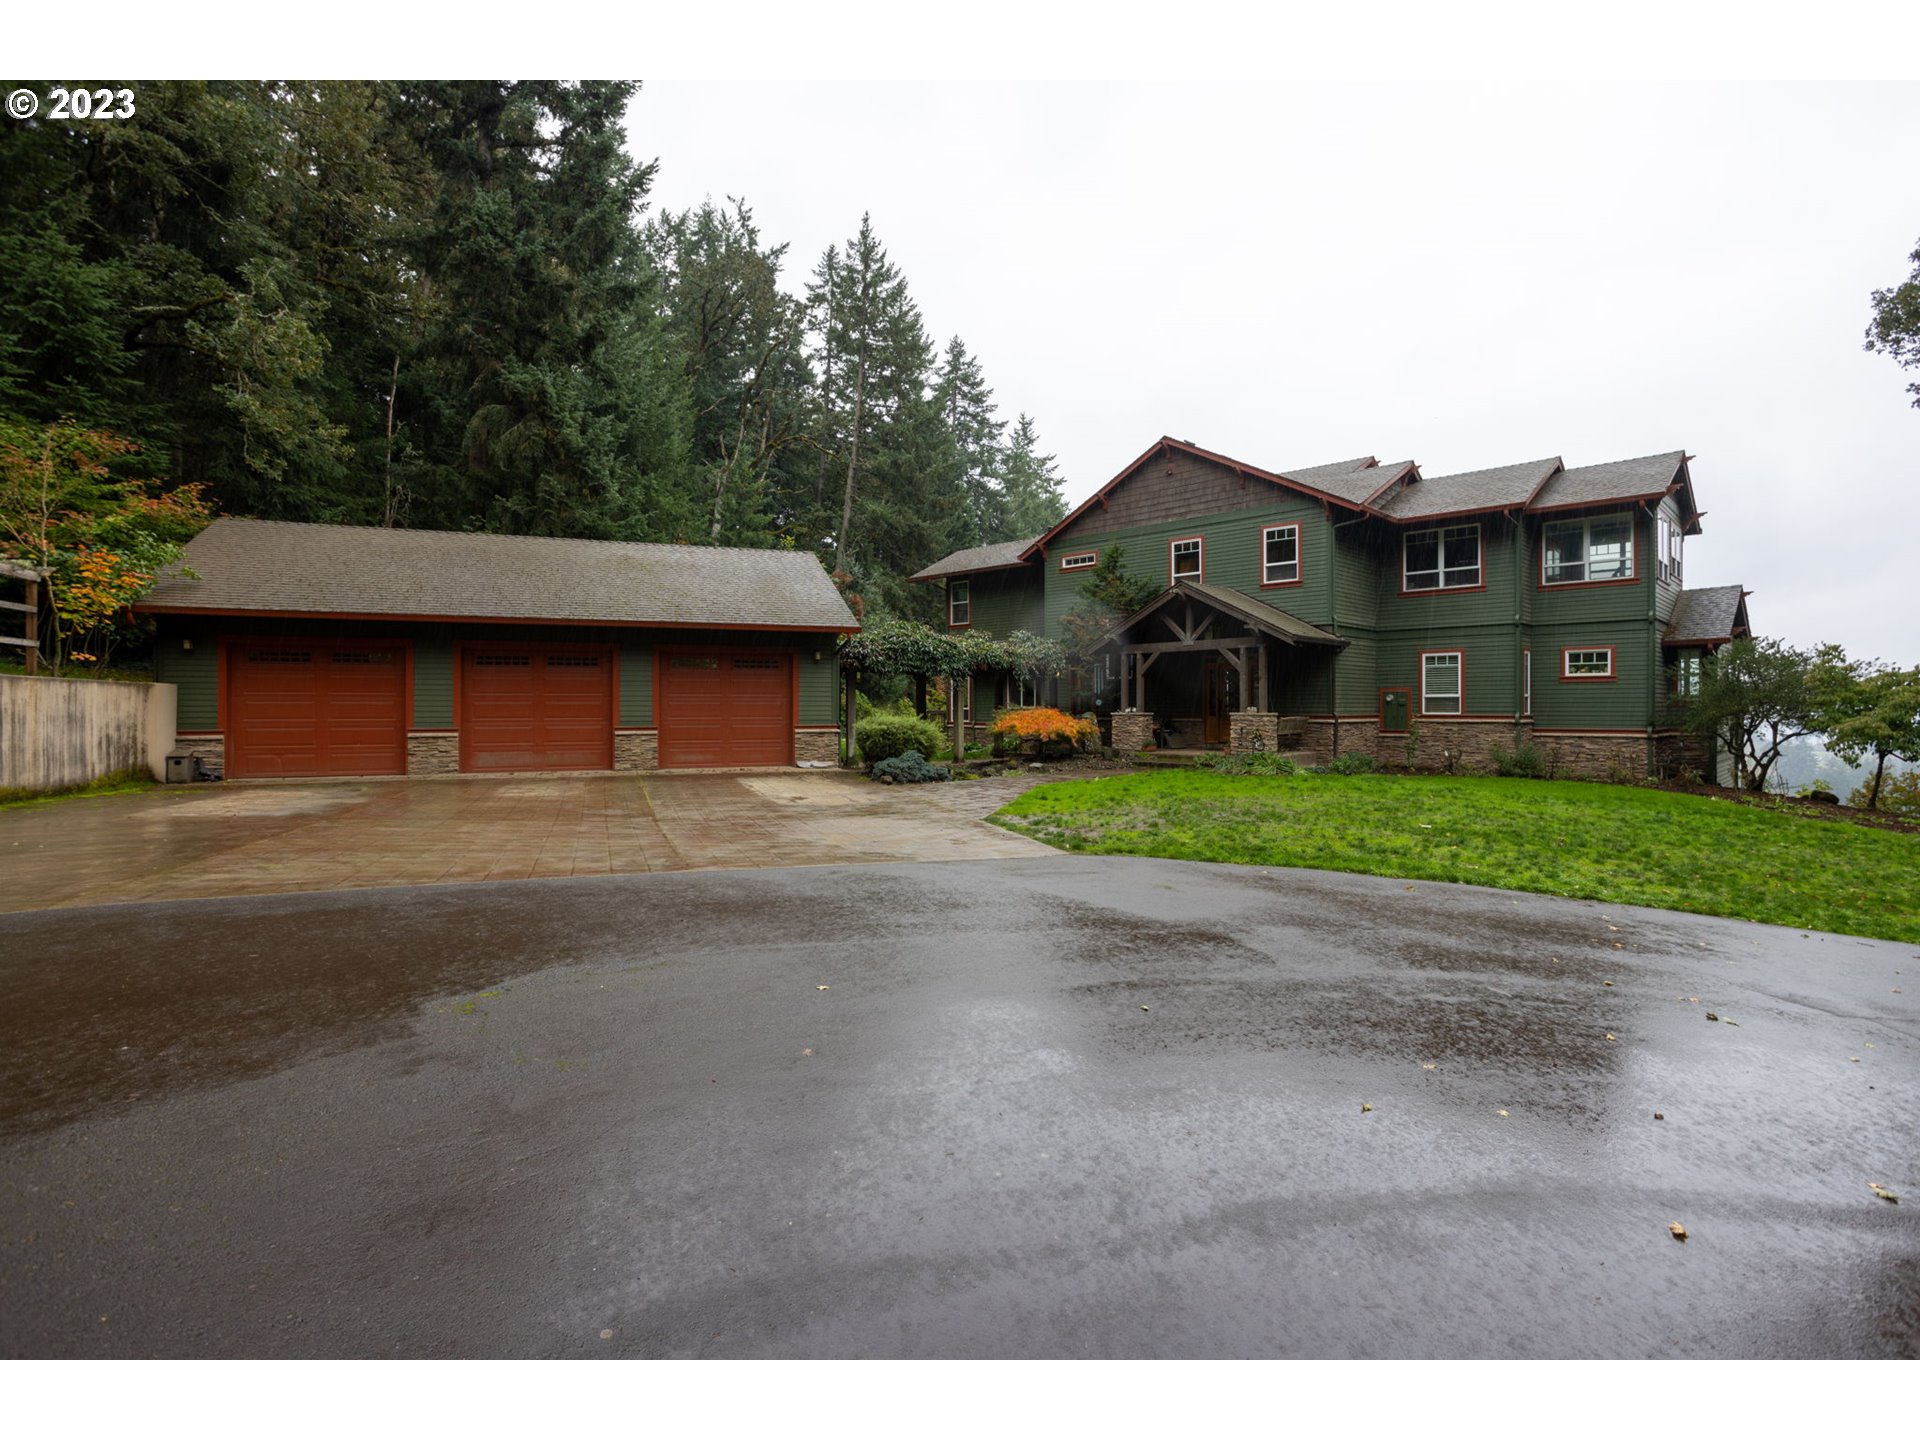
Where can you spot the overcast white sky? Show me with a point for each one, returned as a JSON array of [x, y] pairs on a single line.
[[1463, 276]]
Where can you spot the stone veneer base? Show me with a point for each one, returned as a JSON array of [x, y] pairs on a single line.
[[435, 753], [636, 750]]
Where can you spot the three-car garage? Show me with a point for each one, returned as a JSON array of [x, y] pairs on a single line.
[[319, 650]]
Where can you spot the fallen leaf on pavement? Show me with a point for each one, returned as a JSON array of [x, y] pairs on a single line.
[[1609, 1035], [1658, 1116], [1499, 1112], [1712, 1016], [1143, 1007], [1884, 1193], [1678, 1230], [1364, 1107], [823, 987]]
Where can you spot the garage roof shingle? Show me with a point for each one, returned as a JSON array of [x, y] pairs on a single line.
[[276, 566]]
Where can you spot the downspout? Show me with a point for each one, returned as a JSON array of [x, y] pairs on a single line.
[[1652, 582]]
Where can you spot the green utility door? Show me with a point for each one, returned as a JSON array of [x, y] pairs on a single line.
[[1395, 708]]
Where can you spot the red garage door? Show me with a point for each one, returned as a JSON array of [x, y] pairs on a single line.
[[316, 707], [724, 707], [536, 708]]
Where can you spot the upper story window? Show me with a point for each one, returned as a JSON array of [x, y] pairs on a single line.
[[1446, 559], [1081, 560], [1184, 559], [1280, 555], [959, 603], [1668, 558], [1588, 551]]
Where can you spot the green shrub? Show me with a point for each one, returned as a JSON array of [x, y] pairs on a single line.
[[885, 736], [1524, 760], [910, 768], [1351, 763], [1261, 762]]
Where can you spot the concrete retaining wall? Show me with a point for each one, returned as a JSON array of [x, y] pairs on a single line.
[[57, 733]]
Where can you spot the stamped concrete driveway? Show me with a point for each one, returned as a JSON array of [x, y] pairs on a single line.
[[256, 839]]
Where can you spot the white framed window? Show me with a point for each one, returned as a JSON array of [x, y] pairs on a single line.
[[1670, 550], [1687, 676], [1447, 559], [1588, 551], [1595, 664], [1280, 555], [1184, 561], [1526, 682], [1440, 689], [1080, 560], [959, 603], [1023, 691]]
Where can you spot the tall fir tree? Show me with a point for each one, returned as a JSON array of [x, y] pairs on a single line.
[[1031, 502], [548, 399], [739, 339], [966, 406]]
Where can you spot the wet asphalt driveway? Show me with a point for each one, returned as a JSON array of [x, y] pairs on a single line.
[[1047, 1107]]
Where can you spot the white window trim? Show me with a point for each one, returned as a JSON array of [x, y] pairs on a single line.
[[1586, 524], [1199, 544], [1526, 681], [1080, 560], [1459, 696], [1441, 532], [1266, 531], [959, 597], [1567, 671]]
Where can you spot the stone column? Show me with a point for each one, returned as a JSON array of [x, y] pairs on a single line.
[[1252, 731], [1132, 730]]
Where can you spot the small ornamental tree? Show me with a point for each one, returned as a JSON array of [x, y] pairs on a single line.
[[1757, 695], [1871, 711], [1054, 732], [100, 540]]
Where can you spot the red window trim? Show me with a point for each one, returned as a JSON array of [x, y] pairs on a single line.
[[1444, 589], [1613, 665], [1634, 554], [1299, 556], [1381, 717], [1459, 714], [1093, 555], [953, 624], [1201, 541]]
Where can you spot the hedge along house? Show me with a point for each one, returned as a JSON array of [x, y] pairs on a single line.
[[305, 650], [1364, 607]]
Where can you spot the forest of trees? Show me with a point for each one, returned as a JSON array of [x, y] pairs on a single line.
[[446, 304]]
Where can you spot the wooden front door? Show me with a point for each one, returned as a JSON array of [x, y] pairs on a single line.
[[1219, 691]]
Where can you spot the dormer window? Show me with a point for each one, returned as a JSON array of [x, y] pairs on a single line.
[[1591, 551], [1446, 559], [959, 604]]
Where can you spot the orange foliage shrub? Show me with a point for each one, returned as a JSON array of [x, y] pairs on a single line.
[[1050, 728]]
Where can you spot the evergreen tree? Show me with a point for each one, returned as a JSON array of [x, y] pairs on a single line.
[[966, 406], [1031, 502], [739, 341], [879, 427], [545, 399]]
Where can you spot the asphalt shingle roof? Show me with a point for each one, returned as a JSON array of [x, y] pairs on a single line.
[[1496, 488], [1615, 480], [1702, 617], [1357, 483], [980, 557], [275, 565]]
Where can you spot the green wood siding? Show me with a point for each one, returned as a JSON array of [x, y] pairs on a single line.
[[1615, 600], [196, 672], [1230, 557], [1004, 601], [1622, 703]]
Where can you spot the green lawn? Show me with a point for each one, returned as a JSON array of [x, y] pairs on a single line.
[[1599, 842]]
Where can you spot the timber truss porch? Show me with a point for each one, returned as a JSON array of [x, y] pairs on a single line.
[[1195, 619]]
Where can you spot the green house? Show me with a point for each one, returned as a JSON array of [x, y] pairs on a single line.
[[1366, 607]]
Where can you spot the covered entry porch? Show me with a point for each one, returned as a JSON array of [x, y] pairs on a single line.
[[1206, 668]]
